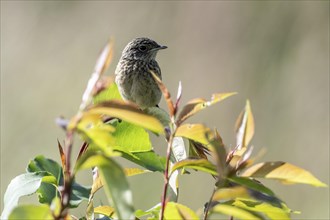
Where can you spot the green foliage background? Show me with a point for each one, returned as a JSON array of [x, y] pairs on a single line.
[[274, 53]]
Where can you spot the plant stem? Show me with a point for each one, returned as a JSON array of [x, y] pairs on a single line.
[[101, 65], [66, 192], [166, 176], [206, 211]]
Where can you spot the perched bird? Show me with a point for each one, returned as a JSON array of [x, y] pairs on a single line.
[[133, 77]]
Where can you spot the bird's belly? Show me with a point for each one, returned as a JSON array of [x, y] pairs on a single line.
[[144, 91]]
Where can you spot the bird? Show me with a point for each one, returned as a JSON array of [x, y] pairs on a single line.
[[133, 73]]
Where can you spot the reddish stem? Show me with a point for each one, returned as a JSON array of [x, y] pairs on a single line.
[[166, 176]]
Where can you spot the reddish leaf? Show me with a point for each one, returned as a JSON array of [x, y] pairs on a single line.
[[166, 94], [219, 153], [198, 150], [199, 104], [63, 160], [105, 58]]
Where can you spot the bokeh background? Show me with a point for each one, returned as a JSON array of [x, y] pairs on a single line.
[[274, 53]]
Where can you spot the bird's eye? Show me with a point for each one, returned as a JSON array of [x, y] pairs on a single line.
[[142, 48]]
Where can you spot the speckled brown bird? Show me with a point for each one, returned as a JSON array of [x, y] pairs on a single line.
[[133, 77]]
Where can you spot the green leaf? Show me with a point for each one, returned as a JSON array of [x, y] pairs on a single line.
[[244, 129], [79, 193], [149, 160], [257, 190], [196, 105], [114, 182], [195, 132], [130, 137], [128, 112], [252, 184], [235, 212], [110, 93], [22, 185], [40, 163], [177, 211], [267, 209], [48, 191], [285, 172], [197, 164], [154, 212], [32, 212]]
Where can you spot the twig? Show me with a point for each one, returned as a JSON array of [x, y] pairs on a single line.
[[166, 176]]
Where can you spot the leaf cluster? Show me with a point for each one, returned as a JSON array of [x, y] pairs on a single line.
[[110, 128]]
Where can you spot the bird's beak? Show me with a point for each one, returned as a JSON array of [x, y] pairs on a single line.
[[158, 48], [162, 47]]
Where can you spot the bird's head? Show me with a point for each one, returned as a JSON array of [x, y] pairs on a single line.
[[141, 49]]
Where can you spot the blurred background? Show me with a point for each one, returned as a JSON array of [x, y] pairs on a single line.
[[274, 53]]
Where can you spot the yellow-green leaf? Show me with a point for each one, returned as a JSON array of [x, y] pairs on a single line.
[[90, 210], [56, 206], [104, 210], [93, 130], [31, 212], [270, 211], [235, 212], [230, 193], [198, 164], [195, 132], [97, 182], [244, 129], [131, 138], [177, 211], [285, 172], [152, 213], [128, 112], [198, 104], [109, 93], [135, 171]]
